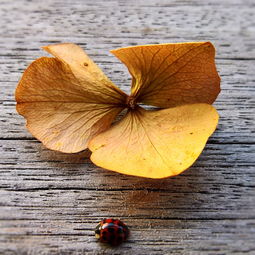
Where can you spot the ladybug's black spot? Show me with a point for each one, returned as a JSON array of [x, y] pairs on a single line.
[[112, 239], [120, 230], [111, 230]]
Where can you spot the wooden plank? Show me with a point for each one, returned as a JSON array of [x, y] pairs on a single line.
[[50, 202]]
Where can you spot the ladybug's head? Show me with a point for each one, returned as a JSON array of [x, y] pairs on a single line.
[[97, 231]]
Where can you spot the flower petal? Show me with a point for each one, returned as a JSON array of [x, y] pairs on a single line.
[[66, 105], [168, 75], [155, 144], [83, 67]]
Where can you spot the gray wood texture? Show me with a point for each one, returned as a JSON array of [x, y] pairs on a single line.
[[50, 202]]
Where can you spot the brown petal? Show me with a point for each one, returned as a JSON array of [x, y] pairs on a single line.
[[168, 75], [66, 105]]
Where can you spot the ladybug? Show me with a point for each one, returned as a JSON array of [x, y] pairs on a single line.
[[111, 231]]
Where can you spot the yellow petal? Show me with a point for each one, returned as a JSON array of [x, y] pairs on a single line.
[[66, 105], [155, 144], [168, 75]]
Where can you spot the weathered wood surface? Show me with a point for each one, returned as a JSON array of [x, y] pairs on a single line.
[[50, 202]]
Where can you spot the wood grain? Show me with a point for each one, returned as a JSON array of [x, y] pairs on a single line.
[[51, 202]]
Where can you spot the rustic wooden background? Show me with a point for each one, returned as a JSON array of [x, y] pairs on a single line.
[[50, 202]]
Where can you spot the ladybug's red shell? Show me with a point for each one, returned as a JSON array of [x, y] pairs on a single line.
[[111, 231]]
